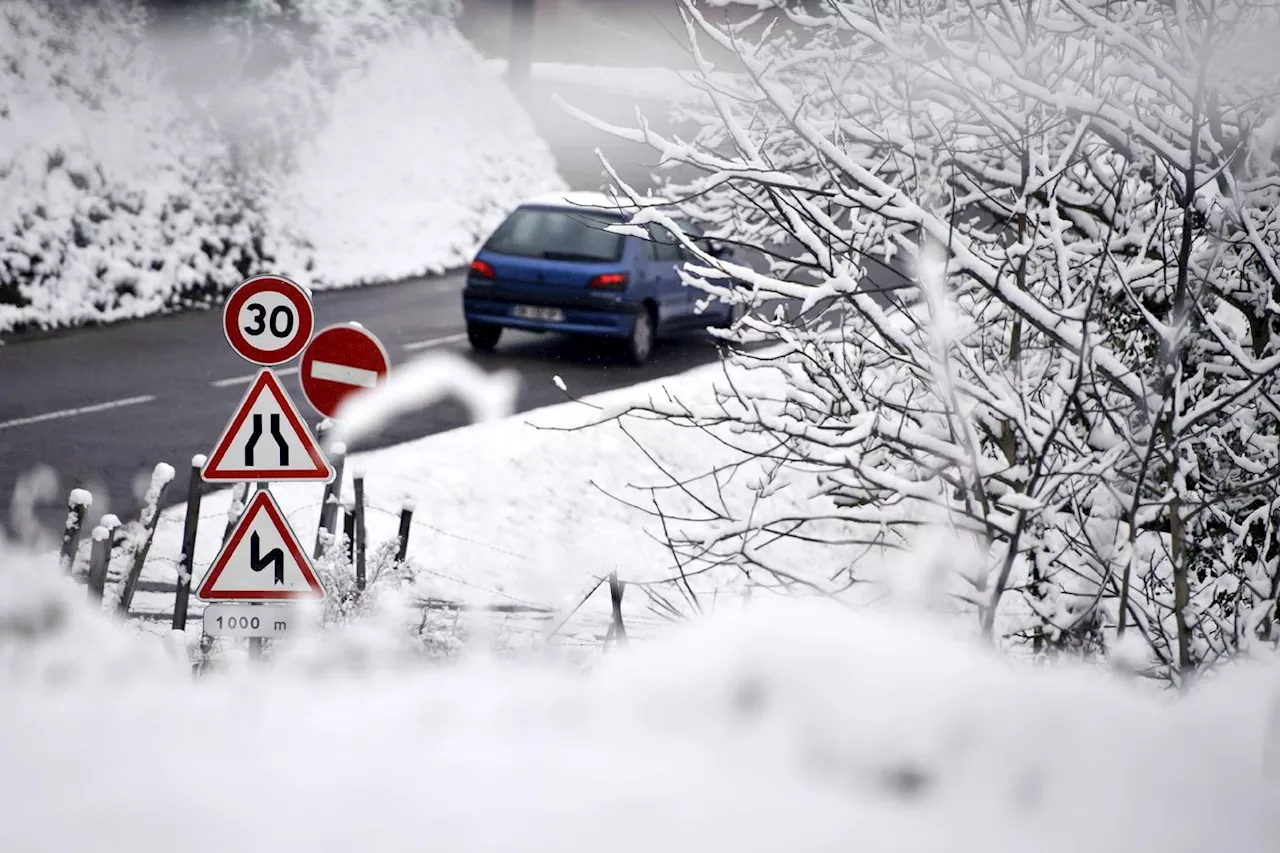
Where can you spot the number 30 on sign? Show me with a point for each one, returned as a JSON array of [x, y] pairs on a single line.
[[268, 320]]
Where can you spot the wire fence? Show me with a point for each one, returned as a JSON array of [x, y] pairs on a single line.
[[160, 573]]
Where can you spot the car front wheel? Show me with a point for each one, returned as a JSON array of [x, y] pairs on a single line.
[[483, 336], [640, 341]]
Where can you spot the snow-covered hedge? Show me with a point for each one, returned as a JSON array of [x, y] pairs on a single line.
[[341, 143], [112, 202]]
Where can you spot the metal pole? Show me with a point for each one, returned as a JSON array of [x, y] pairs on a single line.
[[99, 558], [332, 493], [358, 482], [186, 565], [406, 519], [73, 529], [616, 588], [255, 643]]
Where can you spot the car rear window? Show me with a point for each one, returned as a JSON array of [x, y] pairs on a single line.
[[564, 235]]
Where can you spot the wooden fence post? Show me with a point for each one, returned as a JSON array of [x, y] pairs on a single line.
[[77, 502], [111, 521], [332, 494], [349, 531], [99, 556], [186, 563], [239, 497], [564, 616], [358, 525], [616, 588], [150, 519], [406, 519]]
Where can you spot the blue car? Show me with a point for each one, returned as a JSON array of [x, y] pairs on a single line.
[[553, 266]]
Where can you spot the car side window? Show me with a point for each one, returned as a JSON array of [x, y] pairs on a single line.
[[662, 245]]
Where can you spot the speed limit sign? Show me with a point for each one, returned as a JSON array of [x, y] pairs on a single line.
[[268, 320]]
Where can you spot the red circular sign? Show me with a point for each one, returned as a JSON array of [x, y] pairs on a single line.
[[340, 361], [268, 320]]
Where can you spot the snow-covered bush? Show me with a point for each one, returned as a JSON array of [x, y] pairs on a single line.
[[50, 636], [112, 202], [388, 614], [336, 141], [1080, 374], [408, 175]]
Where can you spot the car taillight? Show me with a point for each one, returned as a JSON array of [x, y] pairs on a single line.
[[608, 281], [482, 269]]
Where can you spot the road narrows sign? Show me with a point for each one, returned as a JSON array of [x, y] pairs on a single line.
[[268, 320], [266, 439], [341, 361], [262, 560]]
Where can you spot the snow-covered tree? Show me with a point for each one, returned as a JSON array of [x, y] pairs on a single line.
[[1081, 372]]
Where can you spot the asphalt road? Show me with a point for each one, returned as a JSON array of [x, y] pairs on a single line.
[[102, 406], [98, 408]]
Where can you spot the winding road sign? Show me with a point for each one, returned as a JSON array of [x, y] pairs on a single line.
[[341, 361], [266, 439], [262, 560], [268, 320]]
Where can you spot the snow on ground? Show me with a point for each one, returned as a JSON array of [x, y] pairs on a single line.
[[523, 510], [785, 726]]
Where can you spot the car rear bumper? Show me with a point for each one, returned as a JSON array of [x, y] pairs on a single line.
[[603, 314]]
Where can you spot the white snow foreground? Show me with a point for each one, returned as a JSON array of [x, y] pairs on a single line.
[[791, 726]]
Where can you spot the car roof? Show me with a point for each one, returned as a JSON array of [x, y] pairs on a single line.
[[580, 199]]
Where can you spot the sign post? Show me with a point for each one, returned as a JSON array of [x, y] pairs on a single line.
[[262, 568]]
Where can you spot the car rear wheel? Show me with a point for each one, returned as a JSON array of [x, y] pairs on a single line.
[[733, 314], [640, 341], [483, 336]]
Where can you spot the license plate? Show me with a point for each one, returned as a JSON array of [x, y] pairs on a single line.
[[537, 312]]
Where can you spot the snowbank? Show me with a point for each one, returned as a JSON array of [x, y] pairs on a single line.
[[791, 726], [365, 154], [517, 510], [530, 511], [426, 152]]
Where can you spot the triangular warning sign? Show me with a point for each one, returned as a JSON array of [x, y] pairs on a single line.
[[262, 561], [266, 439]]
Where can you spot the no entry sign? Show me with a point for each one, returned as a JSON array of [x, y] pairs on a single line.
[[340, 361], [268, 320]]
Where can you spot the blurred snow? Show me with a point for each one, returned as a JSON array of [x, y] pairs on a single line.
[[417, 384], [783, 726]]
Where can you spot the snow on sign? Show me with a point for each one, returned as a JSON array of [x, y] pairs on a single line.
[[268, 320], [262, 561], [340, 361], [266, 439]]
